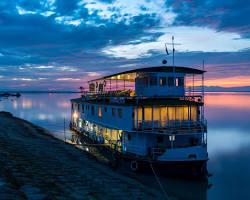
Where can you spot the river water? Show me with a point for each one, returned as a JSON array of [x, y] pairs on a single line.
[[228, 116]]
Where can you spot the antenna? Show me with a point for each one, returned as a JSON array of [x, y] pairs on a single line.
[[173, 61], [173, 52], [166, 49], [173, 48]]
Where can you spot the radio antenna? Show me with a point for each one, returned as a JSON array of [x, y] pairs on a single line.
[[173, 49], [173, 61]]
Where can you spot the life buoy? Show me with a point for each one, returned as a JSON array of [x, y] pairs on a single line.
[[134, 165]]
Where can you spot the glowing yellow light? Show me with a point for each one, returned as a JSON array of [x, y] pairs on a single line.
[[75, 115]]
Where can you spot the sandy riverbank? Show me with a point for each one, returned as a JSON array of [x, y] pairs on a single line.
[[34, 165]]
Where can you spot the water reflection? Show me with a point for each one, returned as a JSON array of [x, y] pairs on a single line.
[[46, 110], [228, 116], [229, 144]]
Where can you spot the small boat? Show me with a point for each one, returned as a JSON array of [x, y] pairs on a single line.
[[7, 94], [151, 117], [16, 95]]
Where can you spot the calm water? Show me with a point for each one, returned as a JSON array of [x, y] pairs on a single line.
[[228, 116]]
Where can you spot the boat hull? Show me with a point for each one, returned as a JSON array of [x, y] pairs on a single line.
[[194, 168], [190, 168]]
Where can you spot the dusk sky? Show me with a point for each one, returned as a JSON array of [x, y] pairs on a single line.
[[59, 44]]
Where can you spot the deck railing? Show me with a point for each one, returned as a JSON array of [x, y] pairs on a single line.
[[176, 141], [115, 98], [170, 124]]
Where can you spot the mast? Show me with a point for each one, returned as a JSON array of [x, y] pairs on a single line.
[[173, 60], [173, 48]]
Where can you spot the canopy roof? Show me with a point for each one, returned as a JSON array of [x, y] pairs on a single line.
[[130, 74]]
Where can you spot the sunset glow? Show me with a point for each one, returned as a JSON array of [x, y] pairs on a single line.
[[54, 45], [234, 81]]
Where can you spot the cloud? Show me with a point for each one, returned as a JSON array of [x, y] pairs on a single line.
[[68, 79], [231, 16], [129, 11], [79, 39], [23, 79], [189, 39], [44, 67]]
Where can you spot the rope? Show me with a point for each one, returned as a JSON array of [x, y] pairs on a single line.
[[158, 181]]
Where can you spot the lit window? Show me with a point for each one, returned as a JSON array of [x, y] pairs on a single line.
[[99, 111], [172, 138], [148, 114], [163, 81], [119, 112], [177, 82]]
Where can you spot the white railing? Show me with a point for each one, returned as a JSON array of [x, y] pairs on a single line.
[[156, 124], [176, 142], [120, 97]]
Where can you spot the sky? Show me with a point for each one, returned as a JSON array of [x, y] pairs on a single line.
[[60, 44]]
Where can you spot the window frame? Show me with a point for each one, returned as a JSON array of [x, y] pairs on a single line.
[[92, 110], [120, 112], [153, 80], [162, 81], [113, 110]]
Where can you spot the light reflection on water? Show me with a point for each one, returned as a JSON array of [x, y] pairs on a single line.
[[46, 110], [228, 116]]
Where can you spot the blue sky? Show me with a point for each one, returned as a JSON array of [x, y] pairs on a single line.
[[59, 44]]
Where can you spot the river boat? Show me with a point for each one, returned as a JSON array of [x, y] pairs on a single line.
[[149, 116]]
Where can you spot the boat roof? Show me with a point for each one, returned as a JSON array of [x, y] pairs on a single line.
[[177, 69]]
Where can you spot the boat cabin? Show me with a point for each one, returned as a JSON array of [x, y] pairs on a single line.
[[163, 81]]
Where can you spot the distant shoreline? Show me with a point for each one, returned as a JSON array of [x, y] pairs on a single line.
[[225, 91], [207, 90], [25, 92]]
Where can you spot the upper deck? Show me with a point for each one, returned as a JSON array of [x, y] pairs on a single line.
[[162, 82]]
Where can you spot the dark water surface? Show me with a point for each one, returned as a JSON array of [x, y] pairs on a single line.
[[228, 116]]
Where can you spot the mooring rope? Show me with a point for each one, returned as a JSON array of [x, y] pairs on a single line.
[[158, 181]]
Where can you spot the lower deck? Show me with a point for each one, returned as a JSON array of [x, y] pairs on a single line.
[[159, 146]]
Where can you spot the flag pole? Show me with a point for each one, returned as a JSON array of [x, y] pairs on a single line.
[[173, 61], [203, 89]]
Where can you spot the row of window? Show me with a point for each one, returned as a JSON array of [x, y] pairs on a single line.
[[115, 111], [163, 81], [163, 113]]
